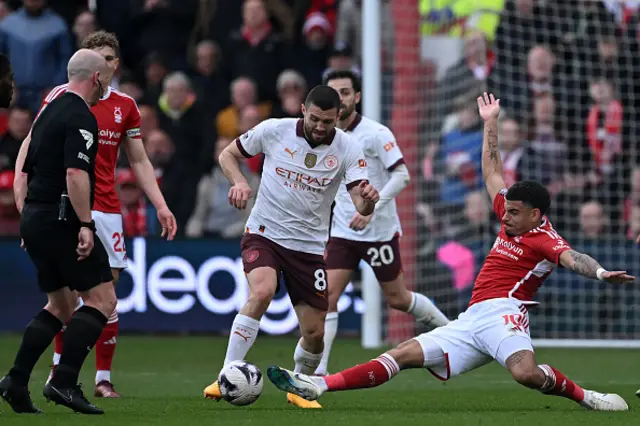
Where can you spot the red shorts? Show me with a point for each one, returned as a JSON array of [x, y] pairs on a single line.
[[383, 257], [304, 274]]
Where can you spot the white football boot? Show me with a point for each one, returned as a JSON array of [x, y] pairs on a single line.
[[603, 401], [307, 387]]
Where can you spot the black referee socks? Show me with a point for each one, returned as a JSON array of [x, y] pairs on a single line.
[[81, 335], [35, 340]]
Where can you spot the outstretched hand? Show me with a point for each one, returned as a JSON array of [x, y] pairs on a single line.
[[488, 107], [617, 277]]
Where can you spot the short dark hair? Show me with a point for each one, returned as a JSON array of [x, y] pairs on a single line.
[[530, 193], [324, 97], [339, 74]]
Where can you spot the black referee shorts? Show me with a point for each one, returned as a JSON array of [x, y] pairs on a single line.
[[51, 245]]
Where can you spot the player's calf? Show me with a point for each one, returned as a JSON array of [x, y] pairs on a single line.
[[308, 352], [546, 379], [424, 310]]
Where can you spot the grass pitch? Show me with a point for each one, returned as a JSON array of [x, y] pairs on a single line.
[[162, 378]]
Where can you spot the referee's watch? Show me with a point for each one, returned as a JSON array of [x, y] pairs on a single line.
[[91, 225]]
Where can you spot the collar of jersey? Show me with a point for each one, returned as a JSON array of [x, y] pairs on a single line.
[[300, 134], [107, 93], [356, 120]]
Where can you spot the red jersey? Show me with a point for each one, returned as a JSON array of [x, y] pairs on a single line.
[[118, 116], [517, 266]]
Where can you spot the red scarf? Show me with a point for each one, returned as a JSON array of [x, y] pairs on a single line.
[[135, 219], [255, 37]]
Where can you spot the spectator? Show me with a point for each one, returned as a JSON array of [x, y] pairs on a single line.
[[208, 80], [38, 44], [9, 215], [164, 26], [593, 221], [256, 51], [250, 117], [341, 58], [604, 125], [524, 24], [467, 76], [511, 150], [129, 86], [19, 124], [160, 150], [634, 222], [349, 27], [213, 217], [156, 69], [134, 209], [460, 158], [292, 90], [182, 118], [546, 154], [243, 94], [5, 10], [83, 25], [148, 119], [311, 55]]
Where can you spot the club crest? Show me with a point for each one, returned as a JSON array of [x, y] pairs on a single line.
[[310, 160]]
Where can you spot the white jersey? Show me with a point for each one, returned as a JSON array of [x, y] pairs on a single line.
[[382, 155], [299, 182]]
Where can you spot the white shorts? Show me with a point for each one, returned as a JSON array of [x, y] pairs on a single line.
[[493, 329], [109, 230]]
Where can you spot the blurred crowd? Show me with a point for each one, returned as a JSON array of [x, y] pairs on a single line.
[[202, 73], [568, 77]]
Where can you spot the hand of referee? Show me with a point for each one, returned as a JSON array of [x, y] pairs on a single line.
[[239, 195], [85, 243]]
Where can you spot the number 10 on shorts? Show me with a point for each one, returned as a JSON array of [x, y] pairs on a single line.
[[517, 321]]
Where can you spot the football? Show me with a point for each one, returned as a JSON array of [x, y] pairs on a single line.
[[240, 383]]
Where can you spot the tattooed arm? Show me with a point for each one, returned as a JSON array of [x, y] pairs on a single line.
[[587, 266], [489, 109]]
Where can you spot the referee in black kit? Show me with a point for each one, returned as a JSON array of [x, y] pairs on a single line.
[[59, 237]]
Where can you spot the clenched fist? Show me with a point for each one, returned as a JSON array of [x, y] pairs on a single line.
[[239, 195]]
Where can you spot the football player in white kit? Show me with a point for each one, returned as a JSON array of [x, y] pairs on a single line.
[[374, 238], [306, 161], [496, 324]]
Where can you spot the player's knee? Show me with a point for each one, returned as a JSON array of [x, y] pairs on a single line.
[[261, 293], [313, 331]]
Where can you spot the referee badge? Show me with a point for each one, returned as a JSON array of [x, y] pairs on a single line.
[[310, 160]]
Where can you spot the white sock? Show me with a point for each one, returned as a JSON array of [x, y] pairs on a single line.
[[103, 375], [330, 331], [243, 333], [425, 311], [306, 362], [56, 358]]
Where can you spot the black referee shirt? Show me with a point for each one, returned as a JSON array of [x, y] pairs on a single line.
[[65, 135]]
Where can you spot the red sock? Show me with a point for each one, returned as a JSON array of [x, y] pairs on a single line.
[[369, 375], [106, 346], [58, 342], [560, 385]]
